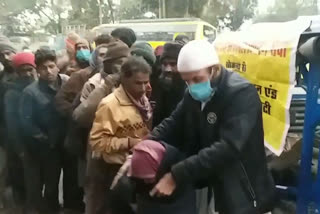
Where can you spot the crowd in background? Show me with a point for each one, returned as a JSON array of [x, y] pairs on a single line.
[[48, 107], [116, 127]]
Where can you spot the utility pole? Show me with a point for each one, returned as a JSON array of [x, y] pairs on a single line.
[[110, 3], [164, 15], [100, 12], [160, 11]]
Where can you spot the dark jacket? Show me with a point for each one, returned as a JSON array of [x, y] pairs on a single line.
[[224, 144], [39, 116], [6, 79], [166, 99], [65, 97], [11, 103], [66, 101], [90, 97], [183, 200], [85, 112]]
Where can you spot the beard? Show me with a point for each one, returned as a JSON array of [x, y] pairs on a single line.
[[172, 82]]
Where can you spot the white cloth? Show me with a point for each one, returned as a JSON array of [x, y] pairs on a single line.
[[203, 105], [202, 201]]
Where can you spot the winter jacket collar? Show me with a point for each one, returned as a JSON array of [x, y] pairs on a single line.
[[19, 84], [217, 82], [61, 79], [96, 80], [122, 97]]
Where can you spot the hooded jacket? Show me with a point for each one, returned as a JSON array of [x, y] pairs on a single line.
[[224, 144]]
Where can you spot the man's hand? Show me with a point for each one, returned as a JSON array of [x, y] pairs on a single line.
[[123, 171], [165, 186]]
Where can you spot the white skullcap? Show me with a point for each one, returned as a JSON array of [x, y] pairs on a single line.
[[196, 55]]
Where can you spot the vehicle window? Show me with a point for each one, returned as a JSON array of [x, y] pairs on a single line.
[[158, 32], [161, 36]]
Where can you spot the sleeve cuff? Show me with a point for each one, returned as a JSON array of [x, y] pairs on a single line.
[[180, 174]]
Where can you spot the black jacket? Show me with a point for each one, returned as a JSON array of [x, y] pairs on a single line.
[[183, 200], [224, 144], [39, 116], [166, 99], [11, 103], [7, 77]]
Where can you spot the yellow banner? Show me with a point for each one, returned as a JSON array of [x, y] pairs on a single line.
[[265, 54]]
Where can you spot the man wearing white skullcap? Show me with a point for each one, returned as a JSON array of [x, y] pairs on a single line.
[[218, 125]]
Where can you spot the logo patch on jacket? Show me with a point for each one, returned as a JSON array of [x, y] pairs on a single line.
[[211, 118], [132, 127]]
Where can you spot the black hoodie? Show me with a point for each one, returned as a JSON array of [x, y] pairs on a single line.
[[11, 103]]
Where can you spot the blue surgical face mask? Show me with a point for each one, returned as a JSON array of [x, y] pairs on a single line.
[[201, 91], [83, 55]]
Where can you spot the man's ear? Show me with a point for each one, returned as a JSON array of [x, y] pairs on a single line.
[[217, 68]]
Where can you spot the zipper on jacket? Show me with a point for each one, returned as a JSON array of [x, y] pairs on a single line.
[[251, 190]]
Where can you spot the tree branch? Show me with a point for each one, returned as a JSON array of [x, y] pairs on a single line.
[[111, 10], [52, 20]]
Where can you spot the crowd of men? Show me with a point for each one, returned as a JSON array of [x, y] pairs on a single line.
[[129, 129]]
